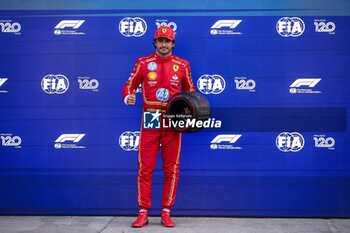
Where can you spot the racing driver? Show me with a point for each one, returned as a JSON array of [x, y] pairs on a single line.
[[161, 75]]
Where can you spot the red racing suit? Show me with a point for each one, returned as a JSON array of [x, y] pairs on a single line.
[[161, 78]]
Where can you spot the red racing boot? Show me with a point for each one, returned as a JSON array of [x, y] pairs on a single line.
[[166, 220], [142, 219]]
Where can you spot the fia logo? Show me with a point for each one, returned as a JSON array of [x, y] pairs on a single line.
[[290, 142], [287, 26], [129, 141], [211, 84], [55, 84], [151, 120], [129, 27]]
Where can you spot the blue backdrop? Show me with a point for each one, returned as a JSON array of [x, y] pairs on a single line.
[[276, 75]]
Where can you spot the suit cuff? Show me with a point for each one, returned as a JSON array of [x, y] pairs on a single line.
[[126, 99]]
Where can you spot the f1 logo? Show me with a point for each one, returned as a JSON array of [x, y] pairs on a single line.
[[69, 23], [2, 81], [230, 138], [226, 23], [70, 137], [310, 82]]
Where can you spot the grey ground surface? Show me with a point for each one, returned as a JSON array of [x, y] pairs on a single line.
[[113, 224]]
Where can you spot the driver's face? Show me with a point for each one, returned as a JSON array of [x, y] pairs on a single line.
[[164, 46]]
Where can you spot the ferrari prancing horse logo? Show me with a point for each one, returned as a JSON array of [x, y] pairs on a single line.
[[175, 68]]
